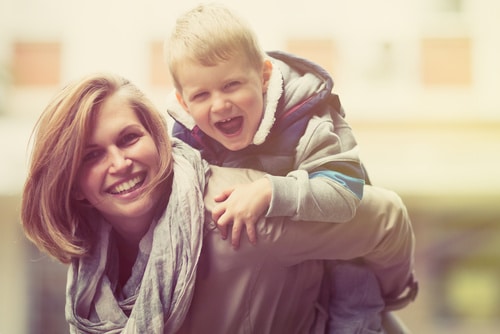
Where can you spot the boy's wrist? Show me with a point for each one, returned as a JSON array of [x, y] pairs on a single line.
[[282, 203]]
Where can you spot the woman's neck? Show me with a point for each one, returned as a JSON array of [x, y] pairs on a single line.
[[128, 243], [127, 255]]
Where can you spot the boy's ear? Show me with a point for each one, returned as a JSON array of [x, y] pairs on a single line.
[[181, 101], [266, 74]]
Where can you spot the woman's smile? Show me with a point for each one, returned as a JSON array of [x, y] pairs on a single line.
[[128, 186]]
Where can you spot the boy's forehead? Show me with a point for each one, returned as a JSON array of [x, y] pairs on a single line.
[[196, 73]]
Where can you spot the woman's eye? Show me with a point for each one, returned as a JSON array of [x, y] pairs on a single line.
[[129, 138], [92, 155]]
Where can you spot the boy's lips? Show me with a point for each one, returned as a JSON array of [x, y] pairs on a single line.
[[230, 126]]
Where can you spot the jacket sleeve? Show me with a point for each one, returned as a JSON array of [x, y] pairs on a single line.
[[327, 183]]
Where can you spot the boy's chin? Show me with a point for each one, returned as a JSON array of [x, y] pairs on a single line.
[[232, 146]]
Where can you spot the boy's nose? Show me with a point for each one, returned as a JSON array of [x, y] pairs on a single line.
[[219, 103]]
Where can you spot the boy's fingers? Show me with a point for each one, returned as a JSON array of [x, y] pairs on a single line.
[[223, 231], [221, 224], [222, 196], [252, 234], [217, 213], [235, 239]]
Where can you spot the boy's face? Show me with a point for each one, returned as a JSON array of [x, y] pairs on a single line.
[[226, 101]]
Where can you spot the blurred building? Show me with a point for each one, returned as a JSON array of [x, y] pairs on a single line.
[[418, 80]]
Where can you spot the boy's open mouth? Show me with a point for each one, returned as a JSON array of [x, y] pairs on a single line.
[[231, 125]]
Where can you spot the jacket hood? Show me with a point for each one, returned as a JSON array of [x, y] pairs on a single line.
[[303, 78]]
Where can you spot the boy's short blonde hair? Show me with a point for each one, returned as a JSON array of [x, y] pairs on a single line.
[[210, 34]]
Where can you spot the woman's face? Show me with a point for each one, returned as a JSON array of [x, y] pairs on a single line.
[[119, 160]]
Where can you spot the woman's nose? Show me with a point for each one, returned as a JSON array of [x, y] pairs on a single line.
[[118, 161]]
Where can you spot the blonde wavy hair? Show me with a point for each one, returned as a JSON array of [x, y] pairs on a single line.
[[52, 218], [210, 34]]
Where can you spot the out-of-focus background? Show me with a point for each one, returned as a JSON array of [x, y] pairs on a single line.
[[419, 80]]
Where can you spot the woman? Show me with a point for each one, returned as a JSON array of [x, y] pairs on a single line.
[[109, 193], [99, 182]]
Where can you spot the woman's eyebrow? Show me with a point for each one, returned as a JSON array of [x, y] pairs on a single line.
[[120, 133]]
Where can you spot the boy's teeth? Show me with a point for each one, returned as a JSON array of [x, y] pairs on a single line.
[[230, 125]]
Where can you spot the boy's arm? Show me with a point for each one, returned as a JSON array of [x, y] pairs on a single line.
[[327, 184]]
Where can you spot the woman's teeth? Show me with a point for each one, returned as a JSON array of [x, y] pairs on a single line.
[[128, 185]]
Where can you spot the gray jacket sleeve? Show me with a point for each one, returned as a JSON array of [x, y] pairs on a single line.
[[386, 243], [327, 183]]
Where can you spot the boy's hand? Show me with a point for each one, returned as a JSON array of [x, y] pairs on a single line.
[[242, 205]]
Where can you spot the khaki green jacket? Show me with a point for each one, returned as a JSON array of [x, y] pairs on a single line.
[[275, 286]]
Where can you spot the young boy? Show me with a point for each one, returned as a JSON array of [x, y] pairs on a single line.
[[275, 112]]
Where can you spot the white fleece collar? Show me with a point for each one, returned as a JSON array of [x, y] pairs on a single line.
[[271, 99], [178, 113]]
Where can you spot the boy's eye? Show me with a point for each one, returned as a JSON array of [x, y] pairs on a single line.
[[232, 84], [199, 96]]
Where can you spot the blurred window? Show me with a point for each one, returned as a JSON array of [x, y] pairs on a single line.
[[446, 61], [159, 74], [36, 63]]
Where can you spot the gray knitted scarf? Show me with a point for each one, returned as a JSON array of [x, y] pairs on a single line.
[[158, 294]]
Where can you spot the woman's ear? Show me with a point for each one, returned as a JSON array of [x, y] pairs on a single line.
[[181, 101], [267, 69]]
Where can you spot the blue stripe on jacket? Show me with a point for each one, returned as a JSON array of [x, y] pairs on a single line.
[[352, 183]]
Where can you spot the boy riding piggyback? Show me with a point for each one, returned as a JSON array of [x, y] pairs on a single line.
[[275, 112]]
